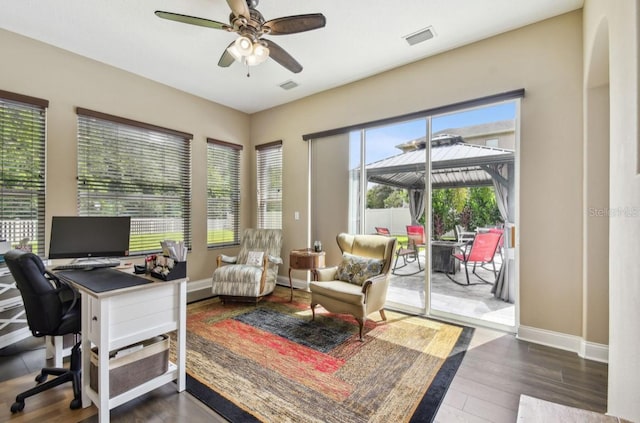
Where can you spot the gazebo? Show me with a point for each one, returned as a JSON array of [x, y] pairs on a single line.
[[455, 164]]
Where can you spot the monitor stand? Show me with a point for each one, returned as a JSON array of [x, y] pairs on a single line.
[[104, 261]]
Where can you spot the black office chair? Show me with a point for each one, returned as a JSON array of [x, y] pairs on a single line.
[[53, 309]]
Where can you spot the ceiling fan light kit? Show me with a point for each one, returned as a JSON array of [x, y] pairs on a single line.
[[252, 53], [250, 48]]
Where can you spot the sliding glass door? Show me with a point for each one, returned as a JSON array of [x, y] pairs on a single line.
[[392, 176], [452, 177], [473, 204]]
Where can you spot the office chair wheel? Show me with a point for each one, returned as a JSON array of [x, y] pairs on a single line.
[[76, 403], [41, 378], [17, 406]]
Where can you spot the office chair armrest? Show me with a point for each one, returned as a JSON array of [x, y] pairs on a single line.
[[63, 287]]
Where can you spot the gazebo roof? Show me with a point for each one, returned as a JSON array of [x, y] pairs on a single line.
[[454, 164]]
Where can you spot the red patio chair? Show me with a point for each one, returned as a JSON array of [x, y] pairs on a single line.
[[483, 250], [410, 253], [383, 231], [501, 243]]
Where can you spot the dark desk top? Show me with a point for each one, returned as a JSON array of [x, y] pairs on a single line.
[[102, 279]]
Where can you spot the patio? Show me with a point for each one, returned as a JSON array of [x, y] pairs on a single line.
[[475, 301], [454, 164]]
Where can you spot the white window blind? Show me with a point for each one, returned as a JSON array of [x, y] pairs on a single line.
[[22, 170], [129, 168], [223, 193], [269, 181]]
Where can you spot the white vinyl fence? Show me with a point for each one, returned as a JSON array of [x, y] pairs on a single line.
[[395, 219]]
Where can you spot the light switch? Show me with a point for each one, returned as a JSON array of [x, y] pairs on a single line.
[[296, 215]]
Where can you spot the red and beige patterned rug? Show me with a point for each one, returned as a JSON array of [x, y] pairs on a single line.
[[271, 363]]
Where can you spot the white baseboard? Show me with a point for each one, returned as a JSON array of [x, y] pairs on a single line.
[[297, 283], [198, 290], [205, 284], [562, 341], [193, 286], [595, 352]]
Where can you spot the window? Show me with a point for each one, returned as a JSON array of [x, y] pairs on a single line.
[[22, 170], [492, 142], [129, 168], [223, 193], [269, 171]]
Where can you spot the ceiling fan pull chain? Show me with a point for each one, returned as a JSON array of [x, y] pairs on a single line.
[[248, 70]]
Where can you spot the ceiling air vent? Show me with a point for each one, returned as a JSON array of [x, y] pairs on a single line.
[[420, 36], [288, 85]]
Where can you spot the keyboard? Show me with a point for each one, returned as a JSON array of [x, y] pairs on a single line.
[[86, 265]]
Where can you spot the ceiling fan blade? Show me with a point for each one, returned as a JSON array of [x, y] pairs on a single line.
[[278, 54], [226, 59], [239, 8], [192, 20], [293, 24]]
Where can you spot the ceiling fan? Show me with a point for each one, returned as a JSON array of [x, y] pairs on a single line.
[[250, 48]]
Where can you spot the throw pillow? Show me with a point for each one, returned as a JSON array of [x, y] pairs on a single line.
[[356, 269], [254, 258]]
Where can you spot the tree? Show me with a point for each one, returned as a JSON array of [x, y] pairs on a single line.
[[483, 207], [446, 206], [397, 198], [468, 207], [376, 196]]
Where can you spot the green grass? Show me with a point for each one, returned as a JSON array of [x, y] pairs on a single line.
[[151, 241], [219, 235]]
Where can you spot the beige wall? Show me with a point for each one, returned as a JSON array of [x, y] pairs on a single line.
[[68, 80], [546, 60], [618, 21]]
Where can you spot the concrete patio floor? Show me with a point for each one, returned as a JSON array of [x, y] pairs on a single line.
[[475, 301]]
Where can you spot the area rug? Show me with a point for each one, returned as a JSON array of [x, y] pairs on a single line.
[[271, 363]]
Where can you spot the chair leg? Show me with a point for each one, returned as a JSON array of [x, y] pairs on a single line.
[[62, 376], [361, 324], [384, 316], [413, 257], [313, 311], [483, 279], [395, 264], [404, 261], [75, 366], [466, 271]]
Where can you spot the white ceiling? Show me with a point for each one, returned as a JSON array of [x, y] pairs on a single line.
[[361, 38]]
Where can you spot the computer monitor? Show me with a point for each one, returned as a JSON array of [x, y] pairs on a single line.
[[89, 236]]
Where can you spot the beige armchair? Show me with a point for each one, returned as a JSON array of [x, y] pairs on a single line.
[[252, 274], [358, 285]]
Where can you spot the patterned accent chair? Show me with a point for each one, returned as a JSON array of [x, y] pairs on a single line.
[[358, 285], [252, 274]]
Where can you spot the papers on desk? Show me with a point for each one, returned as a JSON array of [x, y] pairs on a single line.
[[174, 249]]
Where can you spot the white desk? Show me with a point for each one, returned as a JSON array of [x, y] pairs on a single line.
[[118, 318]]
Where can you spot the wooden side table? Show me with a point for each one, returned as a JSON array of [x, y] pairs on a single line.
[[305, 259]]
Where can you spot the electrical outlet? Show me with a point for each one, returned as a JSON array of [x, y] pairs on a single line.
[[296, 215]]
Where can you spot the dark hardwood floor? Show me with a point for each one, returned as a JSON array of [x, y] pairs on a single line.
[[487, 387]]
